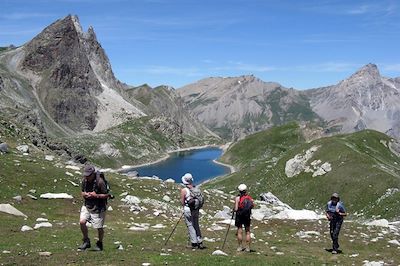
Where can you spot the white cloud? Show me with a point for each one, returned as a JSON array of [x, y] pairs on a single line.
[[391, 67]]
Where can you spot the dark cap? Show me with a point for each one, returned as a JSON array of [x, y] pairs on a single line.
[[335, 195], [88, 170]]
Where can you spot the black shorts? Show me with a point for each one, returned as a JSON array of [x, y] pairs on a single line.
[[241, 220]]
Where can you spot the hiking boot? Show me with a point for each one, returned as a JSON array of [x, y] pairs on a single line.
[[247, 250], [99, 246], [334, 252], [239, 249], [85, 245], [200, 246]]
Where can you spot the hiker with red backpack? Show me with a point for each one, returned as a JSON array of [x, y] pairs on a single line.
[[95, 192], [192, 200], [243, 205]]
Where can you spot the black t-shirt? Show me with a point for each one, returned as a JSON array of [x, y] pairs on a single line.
[[98, 185]]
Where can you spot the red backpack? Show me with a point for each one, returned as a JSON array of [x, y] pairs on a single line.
[[245, 205]]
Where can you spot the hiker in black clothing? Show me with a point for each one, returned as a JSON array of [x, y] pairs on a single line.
[[95, 194], [243, 205], [335, 212]]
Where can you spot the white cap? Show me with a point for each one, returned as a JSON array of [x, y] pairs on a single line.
[[242, 187], [187, 179]]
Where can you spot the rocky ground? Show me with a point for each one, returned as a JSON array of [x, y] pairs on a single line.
[[143, 213]]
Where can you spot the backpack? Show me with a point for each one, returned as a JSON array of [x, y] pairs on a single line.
[[196, 199], [100, 175], [245, 205]]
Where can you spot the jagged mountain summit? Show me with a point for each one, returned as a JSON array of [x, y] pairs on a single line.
[[238, 106], [70, 78], [364, 100], [64, 80]]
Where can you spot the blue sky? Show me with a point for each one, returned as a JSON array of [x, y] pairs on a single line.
[[300, 44]]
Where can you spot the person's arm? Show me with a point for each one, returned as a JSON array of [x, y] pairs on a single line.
[[183, 196], [236, 204], [102, 195], [327, 213], [341, 210]]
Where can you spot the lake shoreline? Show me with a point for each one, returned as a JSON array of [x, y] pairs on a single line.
[[126, 168]]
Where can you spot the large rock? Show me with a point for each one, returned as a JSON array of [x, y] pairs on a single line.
[[56, 196], [297, 164], [23, 148], [3, 147], [7, 208]]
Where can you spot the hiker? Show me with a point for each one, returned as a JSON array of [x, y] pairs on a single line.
[[192, 200], [243, 205], [335, 212], [95, 194]]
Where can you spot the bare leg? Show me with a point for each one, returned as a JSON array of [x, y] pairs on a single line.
[[84, 229], [248, 237], [101, 234], [239, 236]]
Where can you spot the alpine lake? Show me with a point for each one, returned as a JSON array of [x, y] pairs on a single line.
[[199, 162]]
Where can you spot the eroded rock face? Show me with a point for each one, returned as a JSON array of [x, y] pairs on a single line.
[[364, 100], [67, 82]]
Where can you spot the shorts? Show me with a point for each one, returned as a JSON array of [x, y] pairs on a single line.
[[96, 219], [241, 220]]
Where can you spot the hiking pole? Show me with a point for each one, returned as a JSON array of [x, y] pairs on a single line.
[[229, 226], [173, 230]]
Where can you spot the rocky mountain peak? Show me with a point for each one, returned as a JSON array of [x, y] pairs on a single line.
[[369, 71]]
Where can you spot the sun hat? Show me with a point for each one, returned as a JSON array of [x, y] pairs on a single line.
[[242, 187], [187, 179]]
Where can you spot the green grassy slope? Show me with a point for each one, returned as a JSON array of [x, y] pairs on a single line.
[[363, 169], [275, 241]]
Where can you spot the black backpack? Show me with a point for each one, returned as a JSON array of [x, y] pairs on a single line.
[[100, 175]]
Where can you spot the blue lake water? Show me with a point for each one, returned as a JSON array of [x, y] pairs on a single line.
[[197, 162]]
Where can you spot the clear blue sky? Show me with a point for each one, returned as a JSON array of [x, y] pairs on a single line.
[[300, 44]]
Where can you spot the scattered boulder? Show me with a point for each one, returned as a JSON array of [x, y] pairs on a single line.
[[131, 200], [49, 157], [45, 253], [3, 147], [44, 224], [166, 198], [169, 180], [56, 196], [394, 242], [219, 253], [381, 223], [26, 228], [18, 198], [7, 208], [297, 164], [226, 213], [23, 148], [297, 215]]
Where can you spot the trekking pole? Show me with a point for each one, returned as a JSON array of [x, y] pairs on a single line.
[[229, 226], [173, 230]]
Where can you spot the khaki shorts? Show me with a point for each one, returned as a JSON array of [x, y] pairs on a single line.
[[96, 219]]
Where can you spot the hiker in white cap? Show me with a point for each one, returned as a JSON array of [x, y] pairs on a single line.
[[243, 205], [192, 200], [335, 212]]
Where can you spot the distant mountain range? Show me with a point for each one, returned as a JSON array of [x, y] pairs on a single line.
[[238, 106]]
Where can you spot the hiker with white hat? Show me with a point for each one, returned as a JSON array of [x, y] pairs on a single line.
[[192, 200], [335, 212], [243, 205]]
